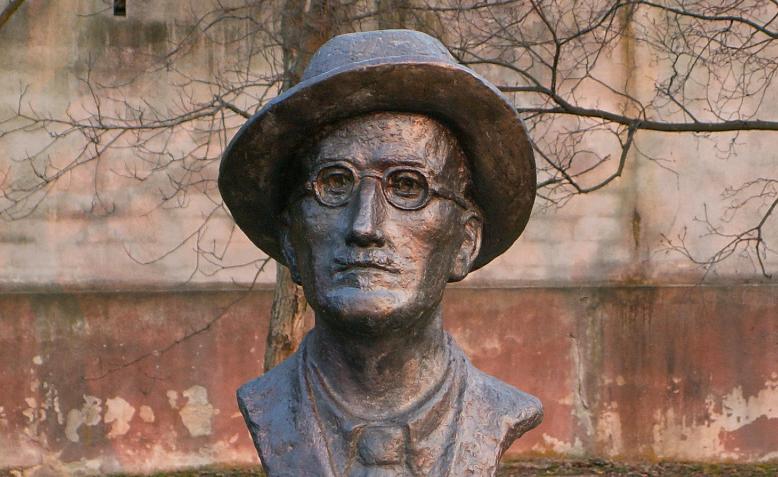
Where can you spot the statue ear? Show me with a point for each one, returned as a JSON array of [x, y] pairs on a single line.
[[468, 250], [288, 252]]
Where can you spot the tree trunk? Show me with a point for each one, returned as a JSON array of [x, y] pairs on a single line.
[[286, 319], [305, 26], [9, 10]]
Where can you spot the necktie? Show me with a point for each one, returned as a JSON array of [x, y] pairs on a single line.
[[381, 452]]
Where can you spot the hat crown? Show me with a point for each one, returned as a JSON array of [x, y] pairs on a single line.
[[351, 48]]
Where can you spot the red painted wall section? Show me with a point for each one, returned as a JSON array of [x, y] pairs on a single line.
[[690, 373], [139, 382], [127, 382]]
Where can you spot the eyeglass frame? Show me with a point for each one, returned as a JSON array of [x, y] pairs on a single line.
[[433, 190]]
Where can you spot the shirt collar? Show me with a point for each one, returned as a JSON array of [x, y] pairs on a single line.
[[409, 443]]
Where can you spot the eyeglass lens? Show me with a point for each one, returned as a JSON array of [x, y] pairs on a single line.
[[334, 185], [404, 188]]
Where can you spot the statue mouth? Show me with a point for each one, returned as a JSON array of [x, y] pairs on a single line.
[[366, 261]]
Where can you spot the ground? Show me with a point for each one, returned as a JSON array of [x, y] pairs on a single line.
[[578, 468]]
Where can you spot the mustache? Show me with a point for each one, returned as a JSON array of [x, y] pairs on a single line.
[[366, 259]]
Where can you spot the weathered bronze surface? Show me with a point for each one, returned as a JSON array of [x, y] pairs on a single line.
[[375, 204]]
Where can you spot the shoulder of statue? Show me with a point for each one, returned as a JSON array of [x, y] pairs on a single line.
[[517, 410], [509, 412], [277, 412], [267, 388], [270, 396]]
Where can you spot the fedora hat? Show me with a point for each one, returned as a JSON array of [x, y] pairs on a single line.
[[387, 70]]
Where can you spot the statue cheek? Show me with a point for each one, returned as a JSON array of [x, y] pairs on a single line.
[[316, 223]]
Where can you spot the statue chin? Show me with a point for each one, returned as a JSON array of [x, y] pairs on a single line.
[[368, 311]]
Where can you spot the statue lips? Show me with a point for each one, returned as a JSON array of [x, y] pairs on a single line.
[[369, 261], [366, 270]]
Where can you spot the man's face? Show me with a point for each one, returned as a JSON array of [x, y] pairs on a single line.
[[372, 252]]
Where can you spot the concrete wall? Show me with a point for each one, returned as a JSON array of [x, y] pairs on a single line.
[[143, 381], [111, 365], [76, 241]]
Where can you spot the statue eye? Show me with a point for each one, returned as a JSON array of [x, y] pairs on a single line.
[[334, 185], [407, 189], [407, 183], [337, 181]]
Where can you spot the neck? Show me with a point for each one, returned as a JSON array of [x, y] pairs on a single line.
[[381, 376]]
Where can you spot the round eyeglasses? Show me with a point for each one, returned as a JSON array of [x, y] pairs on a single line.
[[404, 187]]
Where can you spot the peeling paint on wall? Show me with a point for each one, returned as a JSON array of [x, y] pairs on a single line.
[[118, 413], [172, 398], [560, 447], [697, 439], [198, 413], [609, 431], [89, 414], [34, 416], [146, 414]]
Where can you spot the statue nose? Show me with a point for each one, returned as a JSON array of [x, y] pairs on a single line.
[[367, 215]]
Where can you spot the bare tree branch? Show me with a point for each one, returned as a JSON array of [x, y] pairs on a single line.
[[9, 10], [709, 68]]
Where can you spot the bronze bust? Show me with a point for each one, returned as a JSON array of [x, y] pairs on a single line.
[[389, 171]]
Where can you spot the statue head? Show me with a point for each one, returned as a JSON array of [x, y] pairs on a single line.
[[381, 219], [387, 172]]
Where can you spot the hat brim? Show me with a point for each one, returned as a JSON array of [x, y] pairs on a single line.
[[486, 124]]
